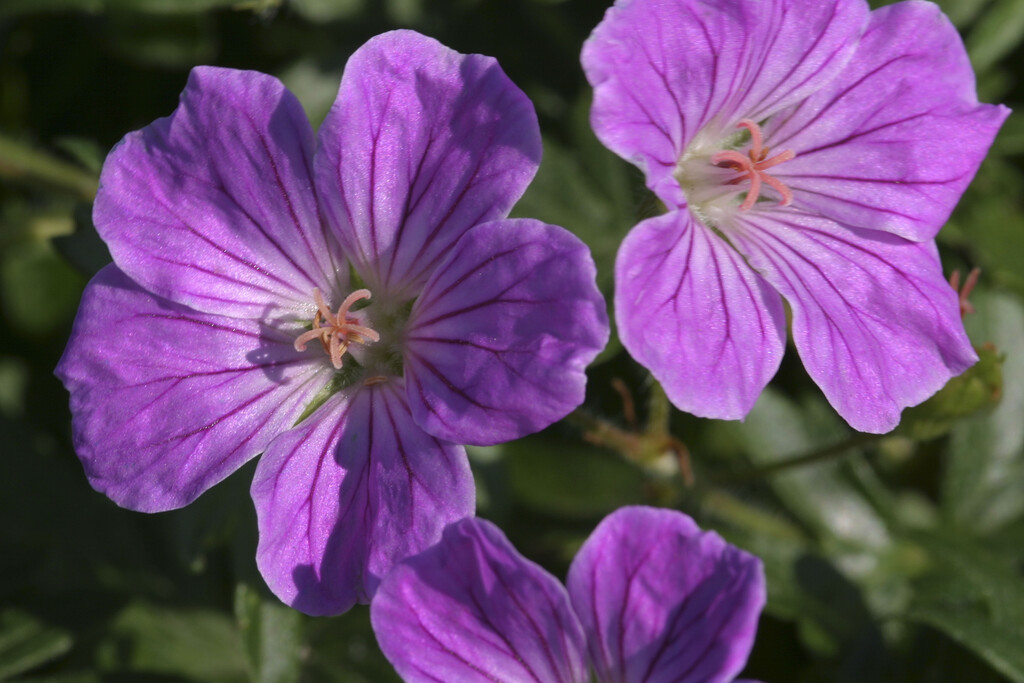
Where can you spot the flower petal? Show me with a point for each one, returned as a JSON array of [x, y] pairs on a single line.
[[662, 602], [214, 207], [472, 609], [877, 326], [692, 312], [499, 341], [421, 144], [664, 69], [167, 401], [893, 141], [352, 490]]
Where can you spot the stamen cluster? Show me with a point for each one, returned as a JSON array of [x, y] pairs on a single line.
[[337, 331], [753, 166]]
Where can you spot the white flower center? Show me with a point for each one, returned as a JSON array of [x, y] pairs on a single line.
[[712, 176]]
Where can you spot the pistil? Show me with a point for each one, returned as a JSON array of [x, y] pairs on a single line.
[[753, 165], [337, 331]]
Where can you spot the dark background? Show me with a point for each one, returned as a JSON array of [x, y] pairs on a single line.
[[889, 559]]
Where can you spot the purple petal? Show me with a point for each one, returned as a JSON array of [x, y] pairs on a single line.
[[692, 312], [352, 490], [167, 401], [422, 144], [877, 326], [662, 602], [498, 343], [214, 207], [664, 69], [893, 141], [472, 609]]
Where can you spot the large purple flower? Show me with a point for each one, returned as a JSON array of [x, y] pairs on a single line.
[[355, 305], [651, 598], [804, 148]]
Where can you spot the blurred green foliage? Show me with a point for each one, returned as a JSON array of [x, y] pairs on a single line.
[[894, 558]]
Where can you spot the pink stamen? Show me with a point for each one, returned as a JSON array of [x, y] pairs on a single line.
[[753, 165], [972, 279], [755, 139], [337, 331], [753, 192]]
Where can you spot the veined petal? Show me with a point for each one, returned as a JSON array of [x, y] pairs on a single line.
[[662, 70], [421, 144], [349, 492], [893, 141], [876, 324], [167, 401], [693, 313], [499, 341], [214, 206], [663, 602], [472, 609]]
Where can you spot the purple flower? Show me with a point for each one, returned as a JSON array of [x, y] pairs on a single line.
[[806, 149], [650, 598], [231, 324]]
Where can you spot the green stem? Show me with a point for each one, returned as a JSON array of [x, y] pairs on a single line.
[[19, 161], [820, 455], [737, 513]]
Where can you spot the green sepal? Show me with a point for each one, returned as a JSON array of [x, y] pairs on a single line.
[[350, 373], [979, 388]]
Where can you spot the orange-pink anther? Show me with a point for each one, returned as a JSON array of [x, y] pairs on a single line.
[[337, 331], [753, 165]]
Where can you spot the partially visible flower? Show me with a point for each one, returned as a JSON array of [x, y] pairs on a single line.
[[804, 148], [650, 598], [230, 323]]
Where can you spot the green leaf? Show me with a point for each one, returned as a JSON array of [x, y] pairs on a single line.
[[14, 379], [272, 636], [405, 12], [1011, 136], [87, 152], [315, 86], [961, 12], [975, 597], [984, 475], [830, 612], [984, 226], [569, 479], [25, 163], [26, 642], [195, 643], [78, 677], [162, 41], [344, 650], [39, 292], [999, 30], [817, 493], [320, 11], [979, 388], [165, 7]]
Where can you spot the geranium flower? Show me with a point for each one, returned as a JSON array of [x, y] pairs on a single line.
[[806, 149], [650, 598], [230, 324]]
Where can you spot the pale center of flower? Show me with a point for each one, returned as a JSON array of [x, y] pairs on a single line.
[[707, 176], [753, 166], [337, 331]]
